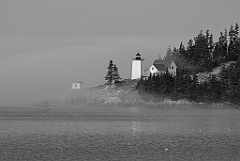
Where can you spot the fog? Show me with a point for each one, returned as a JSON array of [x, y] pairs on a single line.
[[46, 45], [26, 78]]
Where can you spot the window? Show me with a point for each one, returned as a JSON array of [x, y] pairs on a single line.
[[152, 68], [76, 85]]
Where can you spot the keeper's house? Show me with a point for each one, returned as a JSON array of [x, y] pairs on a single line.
[[161, 66]]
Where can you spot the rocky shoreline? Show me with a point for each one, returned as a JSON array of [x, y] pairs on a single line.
[[125, 96]]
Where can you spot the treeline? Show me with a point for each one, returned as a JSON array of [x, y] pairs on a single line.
[[201, 54]]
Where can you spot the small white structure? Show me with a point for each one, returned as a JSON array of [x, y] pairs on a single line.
[[137, 67], [77, 84]]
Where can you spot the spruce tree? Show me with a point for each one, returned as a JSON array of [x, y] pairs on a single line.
[[201, 56], [109, 76], [193, 92], [233, 48], [112, 75], [231, 33], [220, 51], [190, 49], [116, 76], [210, 43], [223, 80], [237, 40], [213, 88], [236, 30]]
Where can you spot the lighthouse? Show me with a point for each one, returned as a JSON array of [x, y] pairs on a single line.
[[137, 67]]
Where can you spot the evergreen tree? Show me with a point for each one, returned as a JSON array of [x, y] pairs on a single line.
[[234, 45], [237, 40], [207, 35], [183, 80], [168, 83], [193, 93], [209, 39], [236, 30], [232, 51], [109, 76], [238, 77], [155, 84], [190, 49], [221, 48], [210, 43], [181, 48], [190, 44], [115, 73], [112, 75], [175, 49], [213, 88], [225, 34], [201, 55], [231, 33], [223, 80], [232, 82]]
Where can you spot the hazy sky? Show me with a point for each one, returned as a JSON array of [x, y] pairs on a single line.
[[45, 45]]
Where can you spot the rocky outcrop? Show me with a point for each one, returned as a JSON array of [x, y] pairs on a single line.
[[113, 96]]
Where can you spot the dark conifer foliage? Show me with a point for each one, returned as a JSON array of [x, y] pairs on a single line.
[[236, 29], [234, 45], [202, 55], [112, 75], [221, 49], [116, 76]]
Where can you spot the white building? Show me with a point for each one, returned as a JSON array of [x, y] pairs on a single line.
[[161, 66], [77, 84], [137, 67]]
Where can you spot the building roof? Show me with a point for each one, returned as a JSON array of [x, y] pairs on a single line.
[[138, 54], [166, 63], [79, 82], [160, 67]]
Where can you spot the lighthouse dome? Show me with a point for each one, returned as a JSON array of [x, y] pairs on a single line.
[[138, 56]]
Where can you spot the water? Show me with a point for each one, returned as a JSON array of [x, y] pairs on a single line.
[[119, 133]]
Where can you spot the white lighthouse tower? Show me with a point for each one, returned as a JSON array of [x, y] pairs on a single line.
[[137, 67]]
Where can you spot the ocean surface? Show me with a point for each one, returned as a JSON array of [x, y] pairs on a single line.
[[119, 133]]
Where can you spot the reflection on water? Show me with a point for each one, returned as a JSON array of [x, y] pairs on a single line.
[[136, 127], [121, 134]]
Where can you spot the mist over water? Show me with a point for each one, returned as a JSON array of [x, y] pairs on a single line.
[[119, 133], [31, 76]]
